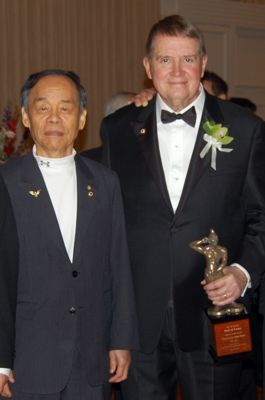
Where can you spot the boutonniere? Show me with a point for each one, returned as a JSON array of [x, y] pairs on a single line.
[[215, 136]]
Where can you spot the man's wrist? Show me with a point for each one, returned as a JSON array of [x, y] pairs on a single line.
[[248, 284]]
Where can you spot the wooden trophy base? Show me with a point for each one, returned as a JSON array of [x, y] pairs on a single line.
[[230, 338]]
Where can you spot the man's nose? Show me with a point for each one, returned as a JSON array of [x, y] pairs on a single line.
[[176, 67], [54, 116]]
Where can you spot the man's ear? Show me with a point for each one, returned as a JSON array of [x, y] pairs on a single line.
[[147, 67], [25, 118], [204, 64], [82, 119]]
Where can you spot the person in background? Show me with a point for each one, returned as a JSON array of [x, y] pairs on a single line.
[[244, 102], [251, 379], [118, 100], [175, 190], [215, 85], [75, 315]]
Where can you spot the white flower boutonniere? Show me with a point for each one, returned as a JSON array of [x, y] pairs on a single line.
[[215, 137]]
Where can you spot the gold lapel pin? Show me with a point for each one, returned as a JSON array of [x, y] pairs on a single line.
[[89, 191], [35, 193]]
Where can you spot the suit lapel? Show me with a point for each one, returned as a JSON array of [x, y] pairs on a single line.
[[145, 129], [199, 166], [40, 206], [38, 201], [87, 191]]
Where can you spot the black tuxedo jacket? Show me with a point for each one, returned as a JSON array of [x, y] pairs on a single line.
[[230, 200], [60, 303]]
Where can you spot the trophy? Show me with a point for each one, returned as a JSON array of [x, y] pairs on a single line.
[[229, 324]]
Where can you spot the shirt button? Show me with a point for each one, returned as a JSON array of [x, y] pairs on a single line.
[[72, 310], [74, 274]]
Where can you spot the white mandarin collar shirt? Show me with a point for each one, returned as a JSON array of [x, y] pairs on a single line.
[[59, 175]]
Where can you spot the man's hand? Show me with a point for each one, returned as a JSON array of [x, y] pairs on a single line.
[[142, 99], [120, 361], [227, 289], [4, 386]]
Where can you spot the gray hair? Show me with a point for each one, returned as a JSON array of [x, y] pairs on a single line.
[[33, 79], [174, 25]]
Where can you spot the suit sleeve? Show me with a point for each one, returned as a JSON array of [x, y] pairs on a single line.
[[124, 332], [8, 278], [252, 250]]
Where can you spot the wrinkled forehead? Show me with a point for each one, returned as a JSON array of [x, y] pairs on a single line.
[[54, 87], [186, 44]]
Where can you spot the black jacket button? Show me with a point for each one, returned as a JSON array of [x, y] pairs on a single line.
[[74, 274], [72, 310]]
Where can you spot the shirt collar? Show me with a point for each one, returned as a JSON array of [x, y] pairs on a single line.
[[54, 163], [198, 103]]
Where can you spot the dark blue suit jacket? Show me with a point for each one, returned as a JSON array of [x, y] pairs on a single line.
[[58, 302]]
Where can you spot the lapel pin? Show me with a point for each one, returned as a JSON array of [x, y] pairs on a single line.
[[35, 193], [89, 191], [142, 131]]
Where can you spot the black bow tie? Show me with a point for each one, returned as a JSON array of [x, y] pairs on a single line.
[[189, 116]]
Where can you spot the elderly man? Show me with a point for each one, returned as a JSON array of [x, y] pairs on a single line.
[[75, 318], [180, 178]]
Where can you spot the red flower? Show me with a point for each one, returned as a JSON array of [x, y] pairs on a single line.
[[9, 149], [11, 125]]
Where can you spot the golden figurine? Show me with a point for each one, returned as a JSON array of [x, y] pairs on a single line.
[[216, 260]]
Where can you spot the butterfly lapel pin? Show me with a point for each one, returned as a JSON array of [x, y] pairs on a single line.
[[35, 193]]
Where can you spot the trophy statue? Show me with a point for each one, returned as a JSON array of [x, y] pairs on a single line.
[[230, 327], [216, 260]]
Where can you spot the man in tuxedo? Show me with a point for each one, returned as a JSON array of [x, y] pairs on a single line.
[[178, 182], [75, 317]]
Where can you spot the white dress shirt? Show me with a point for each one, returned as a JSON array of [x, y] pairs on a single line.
[[176, 143]]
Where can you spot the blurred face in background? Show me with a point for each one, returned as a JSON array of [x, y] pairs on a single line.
[[208, 86]]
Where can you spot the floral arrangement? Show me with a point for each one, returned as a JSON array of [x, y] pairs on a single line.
[[215, 137], [9, 134]]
